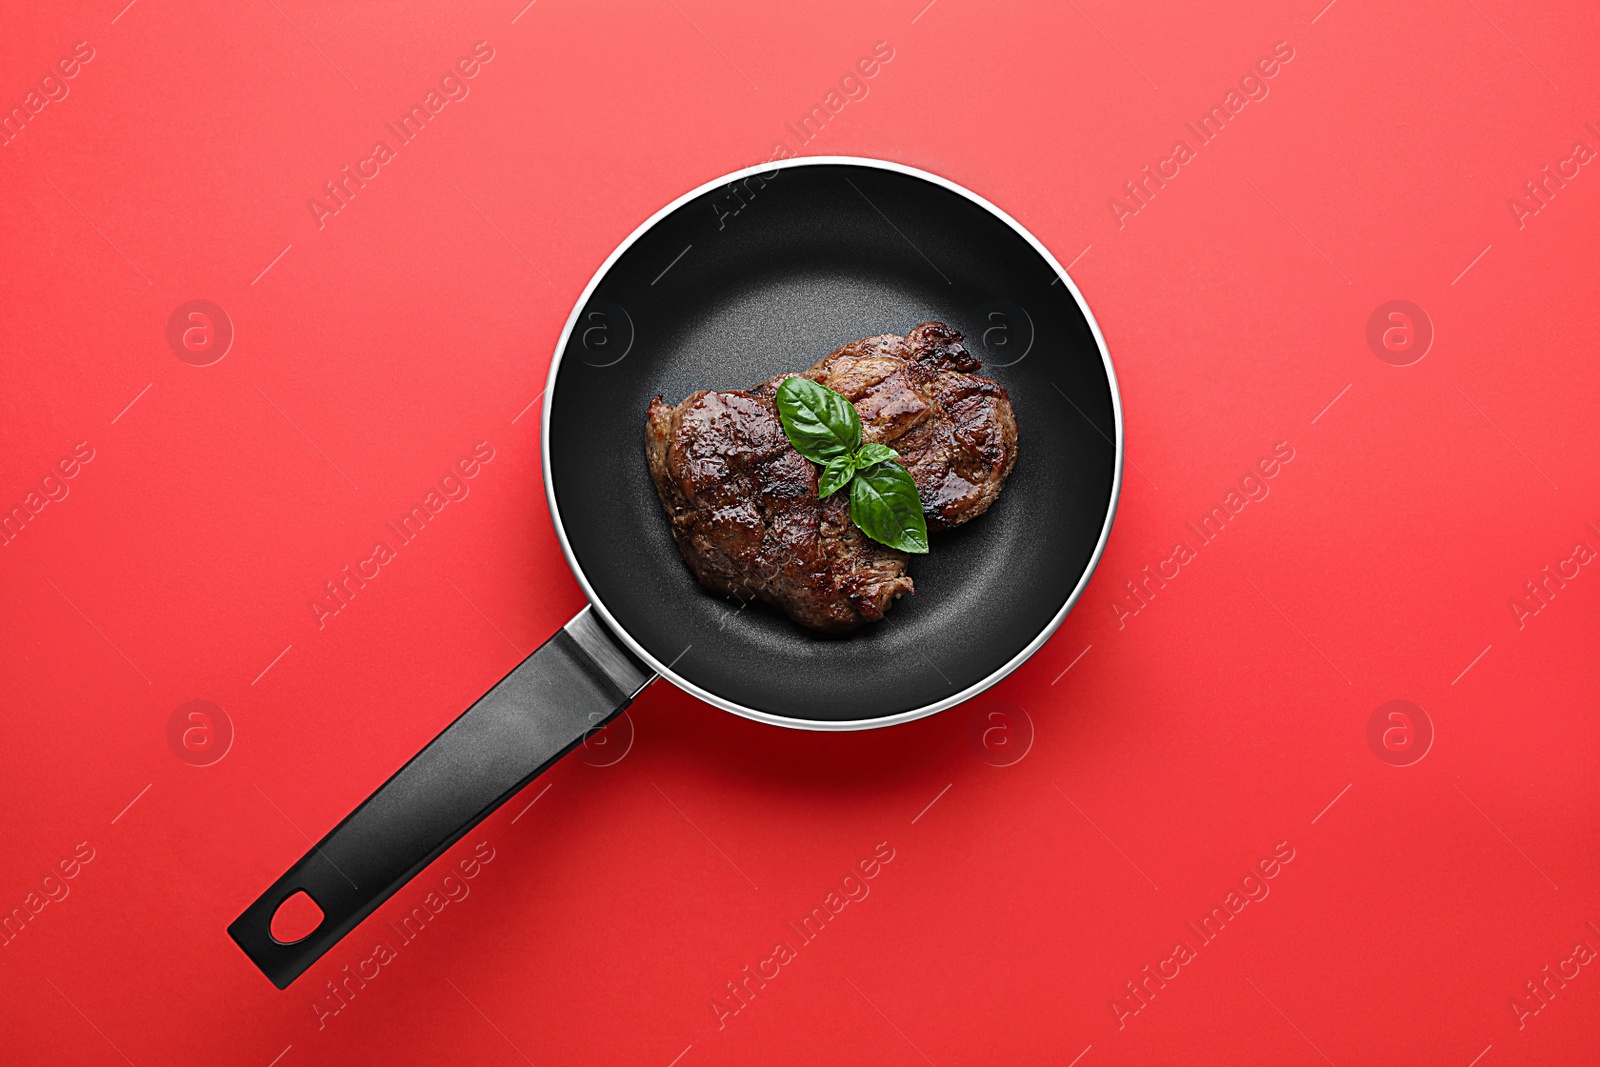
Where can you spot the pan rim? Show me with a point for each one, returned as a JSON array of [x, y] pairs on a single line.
[[664, 670]]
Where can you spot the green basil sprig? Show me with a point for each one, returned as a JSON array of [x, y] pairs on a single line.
[[824, 428]]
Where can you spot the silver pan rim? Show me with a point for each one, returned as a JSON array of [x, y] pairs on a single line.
[[664, 670]]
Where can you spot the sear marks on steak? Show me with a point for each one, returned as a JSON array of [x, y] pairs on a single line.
[[746, 517], [955, 431], [743, 502]]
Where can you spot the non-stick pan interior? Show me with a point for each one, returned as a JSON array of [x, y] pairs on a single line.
[[744, 282]]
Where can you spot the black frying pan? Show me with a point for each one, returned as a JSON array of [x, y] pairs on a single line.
[[760, 272]]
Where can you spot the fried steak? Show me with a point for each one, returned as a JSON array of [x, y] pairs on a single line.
[[743, 502]]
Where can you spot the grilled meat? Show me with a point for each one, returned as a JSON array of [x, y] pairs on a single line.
[[745, 513], [743, 503], [955, 431]]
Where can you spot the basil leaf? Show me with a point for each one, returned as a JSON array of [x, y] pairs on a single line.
[[885, 504], [870, 454], [835, 475], [823, 427], [819, 422]]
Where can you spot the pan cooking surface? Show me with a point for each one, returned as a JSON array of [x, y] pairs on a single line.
[[729, 289]]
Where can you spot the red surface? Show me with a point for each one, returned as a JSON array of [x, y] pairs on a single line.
[[1192, 737]]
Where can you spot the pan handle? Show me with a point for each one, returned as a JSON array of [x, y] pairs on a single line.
[[573, 684]]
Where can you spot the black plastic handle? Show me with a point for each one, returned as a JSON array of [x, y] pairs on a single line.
[[572, 685]]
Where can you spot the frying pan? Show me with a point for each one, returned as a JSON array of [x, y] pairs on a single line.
[[762, 271]]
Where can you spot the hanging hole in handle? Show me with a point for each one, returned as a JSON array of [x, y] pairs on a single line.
[[296, 919]]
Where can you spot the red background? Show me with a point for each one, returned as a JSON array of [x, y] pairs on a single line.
[[1221, 719]]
